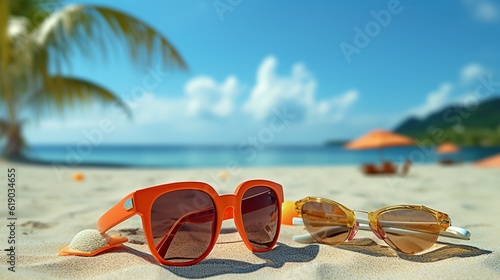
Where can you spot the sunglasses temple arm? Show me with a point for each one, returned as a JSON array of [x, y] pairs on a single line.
[[452, 232], [117, 214], [307, 238], [456, 232]]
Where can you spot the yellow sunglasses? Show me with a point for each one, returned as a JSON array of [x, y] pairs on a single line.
[[409, 229]]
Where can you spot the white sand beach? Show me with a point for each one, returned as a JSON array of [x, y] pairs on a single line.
[[51, 211]]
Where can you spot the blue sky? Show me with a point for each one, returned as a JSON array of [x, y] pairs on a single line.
[[335, 69]]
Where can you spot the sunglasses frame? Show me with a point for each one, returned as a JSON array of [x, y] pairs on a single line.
[[442, 219], [140, 202]]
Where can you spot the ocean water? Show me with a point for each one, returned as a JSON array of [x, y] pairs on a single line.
[[222, 156]]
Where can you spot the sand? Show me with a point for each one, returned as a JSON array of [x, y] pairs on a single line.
[[51, 209]]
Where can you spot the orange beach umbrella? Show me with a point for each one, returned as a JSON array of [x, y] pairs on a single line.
[[377, 139], [493, 161], [447, 148]]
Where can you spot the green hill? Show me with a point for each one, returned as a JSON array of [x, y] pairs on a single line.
[[474, 125]]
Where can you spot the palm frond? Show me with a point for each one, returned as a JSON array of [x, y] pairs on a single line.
[[21, 45], [27, 62], [62, 93], [4, 45], [95, 28], [35, 10], [22, 60]]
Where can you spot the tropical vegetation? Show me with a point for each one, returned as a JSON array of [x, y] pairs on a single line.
[[38, 40], [477, 124], [473, 125]]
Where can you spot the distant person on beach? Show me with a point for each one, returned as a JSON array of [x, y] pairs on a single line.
[[406, 167]]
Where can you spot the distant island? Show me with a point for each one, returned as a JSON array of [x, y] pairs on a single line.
[[474, 125]]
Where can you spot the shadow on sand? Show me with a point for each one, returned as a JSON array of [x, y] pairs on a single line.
[[448, 250], [276, 258]]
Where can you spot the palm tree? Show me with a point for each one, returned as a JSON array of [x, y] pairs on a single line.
[[36, 45]]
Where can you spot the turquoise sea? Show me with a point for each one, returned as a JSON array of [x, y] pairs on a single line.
[[221, 156]]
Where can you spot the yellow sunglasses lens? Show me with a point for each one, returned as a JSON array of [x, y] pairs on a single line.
[[409, 231], [327, 223]]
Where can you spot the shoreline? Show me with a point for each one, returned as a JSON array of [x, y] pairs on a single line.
[[91, 165], [202, 157]]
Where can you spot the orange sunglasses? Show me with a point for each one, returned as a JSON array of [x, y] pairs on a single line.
[[182, 220]]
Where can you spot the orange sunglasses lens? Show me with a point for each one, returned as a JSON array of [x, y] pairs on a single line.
[[183, 224], [260, 213], [409, 231], [327, 223]]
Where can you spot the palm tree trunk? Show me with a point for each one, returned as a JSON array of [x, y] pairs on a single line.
[[12, 130], [15, 141]]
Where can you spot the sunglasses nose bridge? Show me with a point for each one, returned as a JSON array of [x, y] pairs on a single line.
[[374, 226], [227, 205]]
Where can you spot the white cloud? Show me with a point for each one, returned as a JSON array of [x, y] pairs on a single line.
[[151, 109], [441, 97], [483, 10], [470, 73], [335, 108], [208, 109], [486, 11], [207, 98], [54, 124], [435, 100], [296, 92], [203, 97]]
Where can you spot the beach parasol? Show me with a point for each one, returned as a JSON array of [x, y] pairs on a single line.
[[379, 139], [493, 161], [447, 148]]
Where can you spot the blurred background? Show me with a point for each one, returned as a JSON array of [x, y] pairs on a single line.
[[237, 82]]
